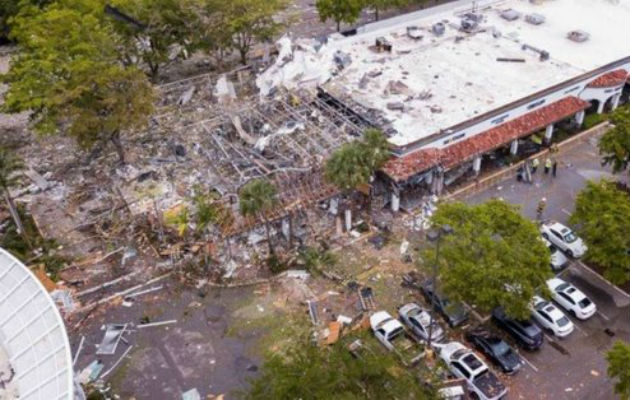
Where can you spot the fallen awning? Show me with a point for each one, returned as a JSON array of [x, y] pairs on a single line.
[[400, 169]]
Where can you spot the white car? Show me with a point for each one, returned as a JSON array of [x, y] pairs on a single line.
[[558, 260], [419, 321], [463, 363], [564, 238], [550, 317], [571, 298]]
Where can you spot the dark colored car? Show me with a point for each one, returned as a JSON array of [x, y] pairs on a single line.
[[454, 313], [495, 348], [527, 334]]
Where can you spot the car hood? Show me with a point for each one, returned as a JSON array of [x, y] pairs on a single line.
[[578, 247], [509, 360]]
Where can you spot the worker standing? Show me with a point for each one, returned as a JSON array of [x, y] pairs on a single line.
[[554, 167], [547, 165], [541, 208], [535, 164]]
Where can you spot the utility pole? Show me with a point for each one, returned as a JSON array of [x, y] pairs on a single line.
[[435, 236]]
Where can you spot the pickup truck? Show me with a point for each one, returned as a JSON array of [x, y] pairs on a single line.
[[483, 384], [391, 333]]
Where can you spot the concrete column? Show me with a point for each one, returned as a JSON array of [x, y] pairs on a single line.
[[514, 147], [548, 133], [600, 107], [477, 164], [395, 201], [348, 215], [579, 117], [438, 182], [615, 101]]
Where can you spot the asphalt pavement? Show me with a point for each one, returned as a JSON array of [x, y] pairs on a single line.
[[573, 367]]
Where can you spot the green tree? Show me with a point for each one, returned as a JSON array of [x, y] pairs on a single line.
[[602, 212], [618, 358], [376, 148], [256, 199], [347, 11], [166, 32], [494, 257], [614, 145], [311, 373], [11, 8], [68, 74], [250, 22]]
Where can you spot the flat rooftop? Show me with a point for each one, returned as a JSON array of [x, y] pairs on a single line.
[[445, 80]]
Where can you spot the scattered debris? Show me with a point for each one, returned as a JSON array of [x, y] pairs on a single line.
[[507, 59], [192, 394], [312, 311], [154, 324], [113, 334]]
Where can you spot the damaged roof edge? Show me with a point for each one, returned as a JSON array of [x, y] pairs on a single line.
[[399, 150], [403, 168]]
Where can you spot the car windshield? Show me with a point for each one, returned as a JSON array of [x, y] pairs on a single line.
[[564, 321], [570, 237], [562, 287], [585, 302], [501, 348], [395, 333]]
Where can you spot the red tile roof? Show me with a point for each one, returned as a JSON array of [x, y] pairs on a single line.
[[612, 78], [402, 168]]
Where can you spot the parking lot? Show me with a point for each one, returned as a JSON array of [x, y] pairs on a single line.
[[574, 367]]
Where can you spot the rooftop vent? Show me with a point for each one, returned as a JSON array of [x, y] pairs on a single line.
[[382, 44], [474, 17], [468, 25], [535, 19], [414, 32], [510, 14], [578, 36], [438, 29]]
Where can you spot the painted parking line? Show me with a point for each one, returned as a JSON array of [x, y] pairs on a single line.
[[601, 314], [565, 211], [602, 279], [532, 366]]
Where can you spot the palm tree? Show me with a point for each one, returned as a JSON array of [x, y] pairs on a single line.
[[9, 165], [355, 163], [257, 198]]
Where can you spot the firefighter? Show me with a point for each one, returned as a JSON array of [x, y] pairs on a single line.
[[535, 164], [541, 208], [547, 165]]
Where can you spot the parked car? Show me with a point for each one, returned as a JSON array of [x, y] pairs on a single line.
[[419, 322], [571, 298], [564, 238], [558, 260], [495, 348], [526, 333], [454, 313], [391, 333], [463, 363], [550, 317]]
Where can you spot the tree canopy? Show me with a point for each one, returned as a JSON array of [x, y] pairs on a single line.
[[495, 256], [602, 212], [618, 358], [347, 11], [310, 373], [354, 163], [68, 74], [614, 145]]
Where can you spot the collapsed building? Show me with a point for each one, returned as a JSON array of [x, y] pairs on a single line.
[[458, 86]]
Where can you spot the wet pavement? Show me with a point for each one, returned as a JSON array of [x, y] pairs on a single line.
[[574, 367], [195, 352]]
